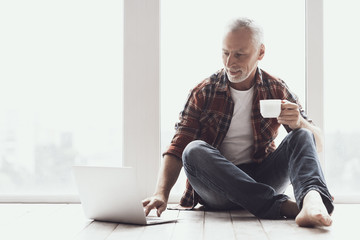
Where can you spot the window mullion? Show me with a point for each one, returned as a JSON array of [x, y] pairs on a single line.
[[142, 91]]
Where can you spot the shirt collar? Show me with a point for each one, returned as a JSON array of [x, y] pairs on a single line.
[[259, 77]]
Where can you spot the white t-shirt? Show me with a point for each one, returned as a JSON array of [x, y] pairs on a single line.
[[238, 144]]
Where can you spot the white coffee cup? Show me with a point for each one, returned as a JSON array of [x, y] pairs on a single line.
[[270, 108]]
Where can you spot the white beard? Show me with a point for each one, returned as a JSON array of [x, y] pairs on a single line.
[[244, 75], [238, 79]]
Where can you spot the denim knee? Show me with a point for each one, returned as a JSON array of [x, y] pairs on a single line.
[[193, 151], [301, 134]]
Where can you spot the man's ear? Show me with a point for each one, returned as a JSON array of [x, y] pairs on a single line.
[[261, 52]]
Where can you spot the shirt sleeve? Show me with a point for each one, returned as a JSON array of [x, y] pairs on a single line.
[[188, 127]]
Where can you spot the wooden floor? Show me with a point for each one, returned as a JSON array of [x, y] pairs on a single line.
[[66, 221]]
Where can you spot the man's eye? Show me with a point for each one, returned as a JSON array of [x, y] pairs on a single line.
[[226, 53], [238, 55]]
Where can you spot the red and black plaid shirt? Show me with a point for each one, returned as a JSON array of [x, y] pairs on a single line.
[[208, 112]]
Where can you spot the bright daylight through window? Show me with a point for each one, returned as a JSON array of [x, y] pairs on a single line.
[[341, 83], [61, 91]]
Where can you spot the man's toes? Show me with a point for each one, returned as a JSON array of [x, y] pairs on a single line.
[[326, 221]]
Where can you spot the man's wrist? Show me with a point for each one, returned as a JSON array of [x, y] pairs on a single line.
[[303, 123], [162, 195]]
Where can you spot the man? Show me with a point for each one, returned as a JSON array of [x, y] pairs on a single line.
[[227, 148]]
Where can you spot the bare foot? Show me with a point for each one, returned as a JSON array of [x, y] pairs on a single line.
[[314, 212], [289, 209]]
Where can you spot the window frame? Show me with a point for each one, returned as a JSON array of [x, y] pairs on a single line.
[[315, 77], [314, 11]]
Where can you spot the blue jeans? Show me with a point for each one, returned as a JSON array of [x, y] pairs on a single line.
[[257, 187]]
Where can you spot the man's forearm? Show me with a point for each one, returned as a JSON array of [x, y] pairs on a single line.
[[317, 134], [169, 173]]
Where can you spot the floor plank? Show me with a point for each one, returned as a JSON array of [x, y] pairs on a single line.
[[189, 226], [343, 227], [63, 222], [127, 231], [31, 225], [218, 225], [247, 226], [96, 231], [160, 231], [345, 222], [278, 229], [73, 220], [12, 212]]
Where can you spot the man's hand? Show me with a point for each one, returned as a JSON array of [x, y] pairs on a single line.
[[169, 172], [155, 201], [290, 115]]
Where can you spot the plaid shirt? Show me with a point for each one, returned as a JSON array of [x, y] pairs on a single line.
[[208, 113]]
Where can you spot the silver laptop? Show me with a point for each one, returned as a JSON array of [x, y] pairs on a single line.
[[110, 194]]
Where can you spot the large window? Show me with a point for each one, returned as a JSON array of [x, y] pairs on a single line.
[[191, 43], [341, 83], [61, 91]]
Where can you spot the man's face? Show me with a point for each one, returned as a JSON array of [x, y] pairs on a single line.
[[240, 55]]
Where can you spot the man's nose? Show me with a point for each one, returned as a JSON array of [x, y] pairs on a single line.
[[229, 60]]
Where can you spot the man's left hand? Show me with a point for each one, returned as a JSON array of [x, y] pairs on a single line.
[[290, 115]]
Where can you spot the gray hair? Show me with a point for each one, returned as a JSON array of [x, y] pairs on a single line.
[[255, 29]]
